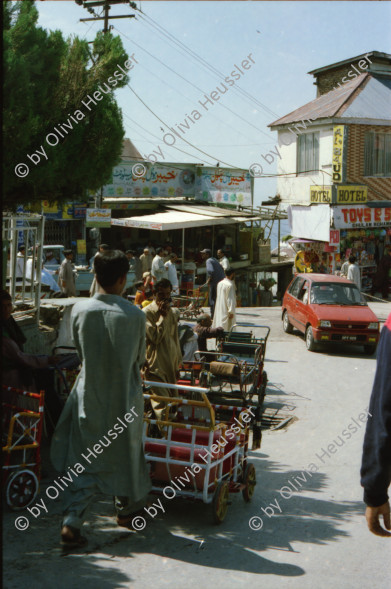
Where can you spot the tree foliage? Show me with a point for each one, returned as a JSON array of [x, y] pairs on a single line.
[[46, 78]]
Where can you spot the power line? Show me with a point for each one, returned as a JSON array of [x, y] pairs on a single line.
[[191, 83], [203, 62]]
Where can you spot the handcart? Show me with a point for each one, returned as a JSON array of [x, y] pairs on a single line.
[[199, 456], [191, 304], [22, 419], [235, 373]]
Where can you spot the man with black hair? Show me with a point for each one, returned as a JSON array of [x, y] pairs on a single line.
[[158, 269], [163, 348], [354, 272], [98, 438], [66, 276]]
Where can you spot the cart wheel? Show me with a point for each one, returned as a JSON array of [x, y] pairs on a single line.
[[220, 503], [22, 489], [249, 479]]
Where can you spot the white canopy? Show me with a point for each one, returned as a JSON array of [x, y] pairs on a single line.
[[178, 220]]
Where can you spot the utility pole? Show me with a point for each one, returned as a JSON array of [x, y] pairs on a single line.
[[106, 5]]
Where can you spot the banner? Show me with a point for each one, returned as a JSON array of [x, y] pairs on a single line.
[[98, 217], [143, 180], [352, 217], [226, 186]]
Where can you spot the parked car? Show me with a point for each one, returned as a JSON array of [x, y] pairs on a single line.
[[329, 309]]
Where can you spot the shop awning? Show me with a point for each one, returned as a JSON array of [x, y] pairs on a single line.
[[174, 219]]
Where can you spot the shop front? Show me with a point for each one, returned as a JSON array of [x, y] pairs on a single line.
[[365, 232]]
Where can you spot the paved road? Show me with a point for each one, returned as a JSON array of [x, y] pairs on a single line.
[[314, 536]]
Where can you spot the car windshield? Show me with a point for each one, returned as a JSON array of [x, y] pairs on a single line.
[[328, 293]]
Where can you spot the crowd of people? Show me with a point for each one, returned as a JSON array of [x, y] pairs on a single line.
[[118, 343]]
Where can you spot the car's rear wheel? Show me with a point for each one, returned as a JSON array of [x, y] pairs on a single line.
[[369, 349], [286, 324], [309, 339]]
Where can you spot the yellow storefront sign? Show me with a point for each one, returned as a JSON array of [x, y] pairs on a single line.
[[351, 194], [320, 194], [337, 159]]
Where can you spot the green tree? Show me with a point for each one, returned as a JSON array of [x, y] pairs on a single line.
[[45, 80]]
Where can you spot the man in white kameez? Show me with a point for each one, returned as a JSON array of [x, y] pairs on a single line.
[[172, 274], [224, 315], [98, 439]]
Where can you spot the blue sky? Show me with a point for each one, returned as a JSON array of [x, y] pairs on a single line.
[[286, 40]]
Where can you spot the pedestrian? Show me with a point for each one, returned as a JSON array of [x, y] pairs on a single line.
[[354, 272], [204, 331], [376, 458], [134, 264], [148, 299], [146, 260], [158, 270], [66, 275], [215, 273], [20, 262], [140, 293], [225, 315], [98, 438], [102, 249], [344, 268], [223, 260], [163, 349], [381, 279], [172, 274]]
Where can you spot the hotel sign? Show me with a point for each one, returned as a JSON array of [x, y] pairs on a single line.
[[351, 194], [320, 194]]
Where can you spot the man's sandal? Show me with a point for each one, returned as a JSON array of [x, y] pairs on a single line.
[[71, 538]]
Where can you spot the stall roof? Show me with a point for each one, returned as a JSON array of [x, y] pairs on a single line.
[[179, 219]]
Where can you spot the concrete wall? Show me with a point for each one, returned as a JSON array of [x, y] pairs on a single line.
[[296, 189]]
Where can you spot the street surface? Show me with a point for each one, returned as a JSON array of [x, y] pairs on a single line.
[[314, 537]]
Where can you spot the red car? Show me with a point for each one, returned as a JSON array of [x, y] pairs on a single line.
[[331, 309]]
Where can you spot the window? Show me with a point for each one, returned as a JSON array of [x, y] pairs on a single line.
[[377, 160], [308, 152], [297, 284]]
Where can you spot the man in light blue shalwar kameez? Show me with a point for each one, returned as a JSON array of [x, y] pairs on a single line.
[[97, 444]]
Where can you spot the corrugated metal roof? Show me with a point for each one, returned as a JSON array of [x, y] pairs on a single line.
[[325, 106], [374, 102]]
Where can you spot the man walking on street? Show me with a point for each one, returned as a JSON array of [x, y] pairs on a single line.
[[98, 438], [376, 458], [215, 273], [226, 302], [66, 276]]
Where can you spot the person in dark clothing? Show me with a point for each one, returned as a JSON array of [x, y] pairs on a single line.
[[204, 331], [381, 278], [376, 458], [215, 274]]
